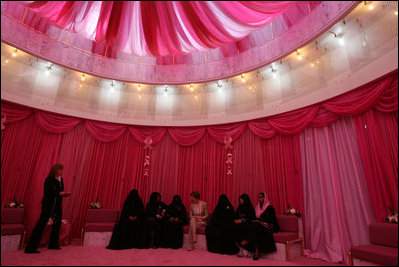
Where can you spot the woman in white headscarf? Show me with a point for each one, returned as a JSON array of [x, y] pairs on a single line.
[[260, 234]]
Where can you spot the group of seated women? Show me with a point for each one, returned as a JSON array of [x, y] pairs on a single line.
[[228, 232]]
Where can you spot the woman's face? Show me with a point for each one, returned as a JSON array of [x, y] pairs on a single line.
[[194, 200], [261, 199], [59, 172], [241, 200]]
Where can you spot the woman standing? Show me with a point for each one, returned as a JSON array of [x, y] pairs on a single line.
[[51, 208]]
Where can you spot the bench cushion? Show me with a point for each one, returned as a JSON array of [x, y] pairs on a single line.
[[12, 215], [99, 227], [384, 234], [283, 237], [288, 223], [12, 229], [377, 254], [102, 215]]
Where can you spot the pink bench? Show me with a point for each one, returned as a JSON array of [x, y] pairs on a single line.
[[383, 249], [12, 223], [100, 220], [288, 242]]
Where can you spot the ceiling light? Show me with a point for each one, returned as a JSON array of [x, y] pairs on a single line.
[[191, 88], [298, 53], [14, 53], [243, 78], [139, 87], [83, 77]]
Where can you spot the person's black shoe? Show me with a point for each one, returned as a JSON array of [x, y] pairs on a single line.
[[31, 251], [256, 255], [54, 247]]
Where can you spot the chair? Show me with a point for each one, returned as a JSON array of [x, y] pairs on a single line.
[[383, 249], [99, 220], [12, 223], [287, 238]]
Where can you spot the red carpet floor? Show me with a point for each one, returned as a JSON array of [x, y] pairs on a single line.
[[76, 255]]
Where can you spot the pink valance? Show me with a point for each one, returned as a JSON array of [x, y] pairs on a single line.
[[53, 123], [186, 136], [362, 99], [105, 132], [293, 122], [219, 133], [381, 94], [141, 133]]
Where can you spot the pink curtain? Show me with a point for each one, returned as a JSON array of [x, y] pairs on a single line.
[[338, 208], [107, 171], [377, 138]]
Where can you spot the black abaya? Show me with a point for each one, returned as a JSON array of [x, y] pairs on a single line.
[[217, 232], [172, 234], [129, 233]]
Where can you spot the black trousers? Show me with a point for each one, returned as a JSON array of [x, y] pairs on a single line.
[[37, 232]]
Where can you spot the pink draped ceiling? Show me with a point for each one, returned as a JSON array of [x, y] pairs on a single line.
[[160, 28]]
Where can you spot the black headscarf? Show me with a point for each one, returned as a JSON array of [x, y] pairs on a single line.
[[133, 206], [223, 213], [245, 210], [155, 207], [177, 210]]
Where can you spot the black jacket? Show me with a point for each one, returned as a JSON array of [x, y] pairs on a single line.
[[51, 197]]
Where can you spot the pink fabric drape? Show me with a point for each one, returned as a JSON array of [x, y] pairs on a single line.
[[105, 132], [107, 171], [377, 138], [187, 137], [159, 28], [55, 123], [338, 208]]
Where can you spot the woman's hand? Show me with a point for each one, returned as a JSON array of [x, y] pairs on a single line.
[[238, 221], [65, 194]]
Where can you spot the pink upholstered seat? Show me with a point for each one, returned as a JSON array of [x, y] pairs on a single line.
[[99, 227], [289, 229], [384, 234], [384, 247], [12, 220], [377, 254], [283, 237], [288, 223], [101, 220], [12, 229]]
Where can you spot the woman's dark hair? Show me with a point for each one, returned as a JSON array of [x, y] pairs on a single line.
[[246, 199], [55, 167], [195, 194], [262, 194]]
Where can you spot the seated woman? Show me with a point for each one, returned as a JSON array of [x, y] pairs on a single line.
[[260, 234], [128, 232], [217, 239], [172, 236], [198, 216], [244, 215], [156, 215]]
